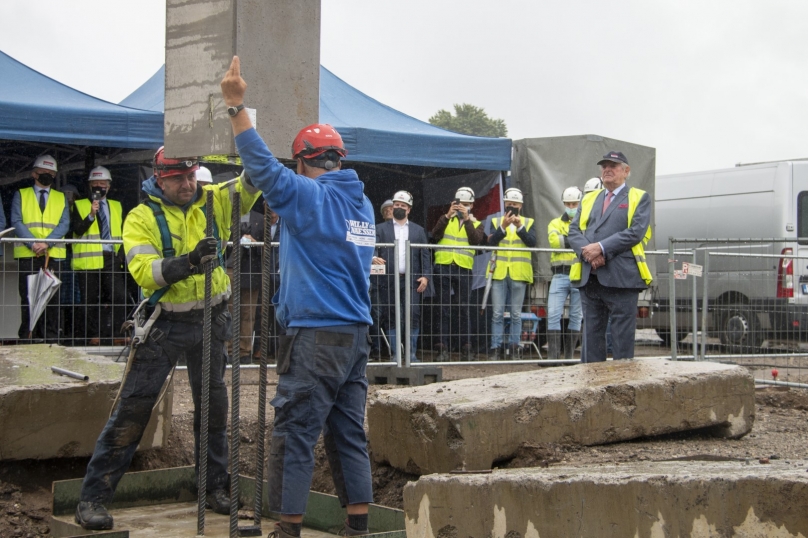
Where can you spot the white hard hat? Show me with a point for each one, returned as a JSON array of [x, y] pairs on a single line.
[[593, 184], [203, 175], [47, 162], [99, 173], [513, 195], [403, 196], [571, 194], [387, 203], [465, 194]]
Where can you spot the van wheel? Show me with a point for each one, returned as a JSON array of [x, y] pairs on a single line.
[[740, 330], [665, 335]]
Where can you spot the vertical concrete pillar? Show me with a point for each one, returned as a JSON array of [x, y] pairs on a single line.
[[278, 43]]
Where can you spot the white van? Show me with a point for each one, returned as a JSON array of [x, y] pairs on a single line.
[[750, 299]]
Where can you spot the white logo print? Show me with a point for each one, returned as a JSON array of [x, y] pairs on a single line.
[[361, 233]]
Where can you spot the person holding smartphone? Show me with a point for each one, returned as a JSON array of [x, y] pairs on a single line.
[[513, 271], [453, 268]]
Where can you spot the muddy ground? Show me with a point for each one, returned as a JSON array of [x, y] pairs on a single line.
[[780, 431]]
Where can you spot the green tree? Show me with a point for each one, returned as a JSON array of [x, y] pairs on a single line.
[[471, 120]]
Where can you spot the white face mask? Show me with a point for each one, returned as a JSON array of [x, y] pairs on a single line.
[[571, 211]]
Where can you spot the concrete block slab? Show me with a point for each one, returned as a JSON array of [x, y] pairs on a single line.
[[472, 423], [670, 499], [45, 415]]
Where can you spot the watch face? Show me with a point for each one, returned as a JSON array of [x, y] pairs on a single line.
[[233, 110]]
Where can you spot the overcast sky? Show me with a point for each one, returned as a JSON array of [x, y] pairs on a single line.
[[707, 83]]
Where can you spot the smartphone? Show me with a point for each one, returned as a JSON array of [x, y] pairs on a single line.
[[95, 196], [513, 211]]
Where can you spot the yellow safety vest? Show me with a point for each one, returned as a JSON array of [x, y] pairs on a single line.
[[556, 230], [513, 262], [91, 255], [40, 224], [455, 234], [144, 246], [634, 197]]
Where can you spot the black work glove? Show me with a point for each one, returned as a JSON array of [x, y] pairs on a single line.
[[205, 250]]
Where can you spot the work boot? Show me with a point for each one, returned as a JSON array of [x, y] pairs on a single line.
[[515, 353], [93, 516], [350, 531], [443, 354], [278, 532], [467, 354], [553, 345], [493, 354], [570, 343], [219, 501]]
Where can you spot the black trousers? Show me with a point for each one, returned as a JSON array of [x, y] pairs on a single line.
[[449, 277], [602, 304], [103, 291], [49, 324]]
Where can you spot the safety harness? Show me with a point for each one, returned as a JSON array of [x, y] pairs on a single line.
[[168, 246]]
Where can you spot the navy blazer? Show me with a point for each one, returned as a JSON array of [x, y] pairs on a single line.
[[420, 260], [612, 230]]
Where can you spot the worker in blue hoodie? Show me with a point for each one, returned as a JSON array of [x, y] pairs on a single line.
[[328, 230]]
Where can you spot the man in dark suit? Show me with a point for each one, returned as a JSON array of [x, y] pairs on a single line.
[[401, 230], [607, 235]]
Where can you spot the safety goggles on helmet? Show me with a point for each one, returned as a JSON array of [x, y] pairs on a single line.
[[164, 167]]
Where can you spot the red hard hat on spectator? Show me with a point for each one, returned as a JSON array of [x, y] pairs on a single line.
[[164, 167], [315, 140]]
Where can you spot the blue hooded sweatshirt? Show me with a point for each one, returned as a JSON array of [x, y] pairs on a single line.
[[328, 234]]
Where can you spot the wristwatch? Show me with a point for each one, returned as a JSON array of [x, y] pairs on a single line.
[[233, 110]]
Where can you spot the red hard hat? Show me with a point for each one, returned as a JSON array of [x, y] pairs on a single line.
[[164, 167], [315, 140]]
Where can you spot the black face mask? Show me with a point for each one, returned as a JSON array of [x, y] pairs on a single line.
[[45, 179], [399, 213]]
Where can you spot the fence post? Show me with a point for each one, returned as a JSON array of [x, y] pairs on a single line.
[[695, 311], [397, 305], [408, 351], [672, 296], [704, 302]]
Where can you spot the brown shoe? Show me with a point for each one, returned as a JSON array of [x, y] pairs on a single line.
[[94, 342]]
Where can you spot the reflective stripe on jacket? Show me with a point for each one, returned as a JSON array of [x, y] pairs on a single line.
[[41, 224], [455, 234], [517, 264], [91, 255], [634, 197], [144, 247], [557, 230]]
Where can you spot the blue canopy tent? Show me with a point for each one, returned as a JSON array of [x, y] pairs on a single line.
[[36, 108], [374, 132]]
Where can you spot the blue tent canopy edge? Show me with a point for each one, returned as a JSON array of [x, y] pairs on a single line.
[[372, 131], [36, 108]]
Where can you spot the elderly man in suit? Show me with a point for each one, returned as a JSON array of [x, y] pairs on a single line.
[[607, 235], [400, 230]]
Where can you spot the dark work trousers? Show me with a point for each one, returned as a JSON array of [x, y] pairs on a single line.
[[168, 339], [602, 303], [104, 294], [322, 387], [450, 277], [49, 324]]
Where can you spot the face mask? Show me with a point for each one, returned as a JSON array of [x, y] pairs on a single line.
[[399, 213], [571, 211], [45, 179]]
